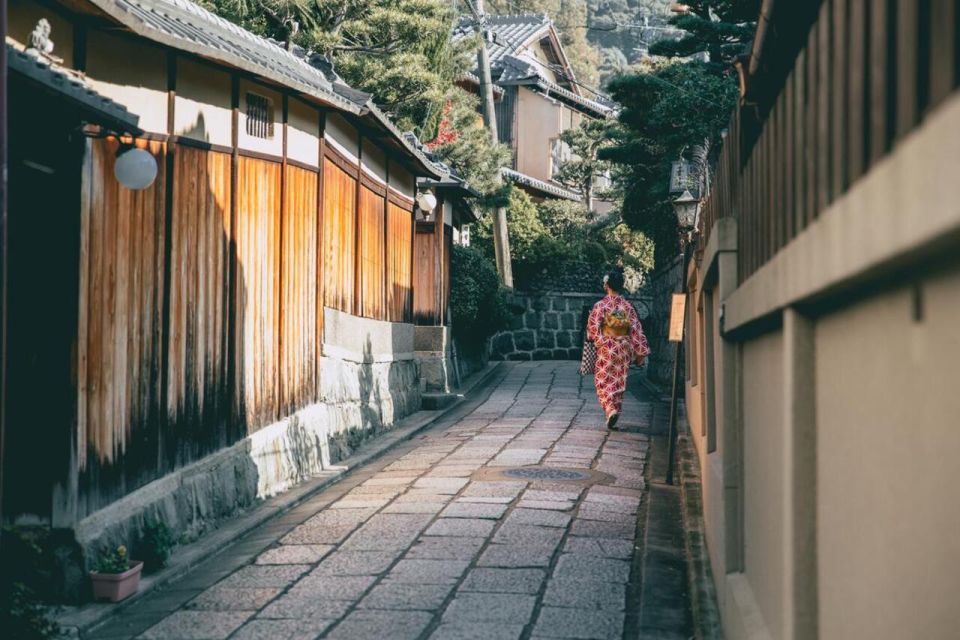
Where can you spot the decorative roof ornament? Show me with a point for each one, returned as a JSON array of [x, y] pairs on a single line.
[[40, 38]]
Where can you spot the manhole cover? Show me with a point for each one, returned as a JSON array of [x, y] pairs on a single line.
[[543, 473]]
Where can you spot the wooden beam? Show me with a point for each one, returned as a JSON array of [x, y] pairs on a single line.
[[321, 248]]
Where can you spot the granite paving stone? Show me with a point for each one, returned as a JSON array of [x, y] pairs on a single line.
[[295, 554], [369, 624], [576, 594], [528, 535], [259, 629], [474, 510], [335, 587], [356, 563], [515, 556], [572, 566], [281, 575], [599, 529], [197, 625], [391, 594], [504, 580], [490, 607], [446, 548], [589, 624], [537, 517], [428, 571], [477, 631], [221, 598], [303, 604], [600, 547], [461, 527]]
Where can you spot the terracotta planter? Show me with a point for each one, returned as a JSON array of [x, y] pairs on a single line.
[[116, 586]]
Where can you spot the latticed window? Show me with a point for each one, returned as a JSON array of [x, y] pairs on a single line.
[[259, 116]]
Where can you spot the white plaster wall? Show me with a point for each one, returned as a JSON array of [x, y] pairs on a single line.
[[132, 73], [202, 109], [342, 136], [272, 146], [888, 434], [374, 162], [303, 133], [402, 181]]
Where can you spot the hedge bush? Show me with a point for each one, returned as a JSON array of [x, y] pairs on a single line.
[[478, 301]]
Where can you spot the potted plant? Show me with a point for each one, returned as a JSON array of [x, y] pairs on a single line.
[[116, 576]]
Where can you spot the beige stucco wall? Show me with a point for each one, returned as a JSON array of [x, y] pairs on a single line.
[[888, 425], [303, 131], [202, 109], [540, 120], [763, 469], [132, 73]]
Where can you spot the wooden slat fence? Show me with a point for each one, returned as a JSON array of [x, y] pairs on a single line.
[[870, 71], [399, 267], [339, 228], [372, 249]]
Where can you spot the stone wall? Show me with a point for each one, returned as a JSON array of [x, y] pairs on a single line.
[[551, 325], [662, 284]]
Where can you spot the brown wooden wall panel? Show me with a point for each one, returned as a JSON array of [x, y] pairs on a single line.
[[299, 348], [372, 255], [258, 295], [120, 327], [426, 275], [339, 241], [399, 267], [198, 389]]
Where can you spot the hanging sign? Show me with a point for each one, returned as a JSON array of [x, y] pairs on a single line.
[[676, 317]]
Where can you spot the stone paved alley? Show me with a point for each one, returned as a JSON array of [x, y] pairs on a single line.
[[440, 539]]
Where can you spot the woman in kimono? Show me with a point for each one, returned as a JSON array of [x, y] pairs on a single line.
[[615, 330]]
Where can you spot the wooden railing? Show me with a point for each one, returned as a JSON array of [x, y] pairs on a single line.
[[870, 72]]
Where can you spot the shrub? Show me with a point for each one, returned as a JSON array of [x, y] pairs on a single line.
[[477, 300], [156, 545], [22, 615]]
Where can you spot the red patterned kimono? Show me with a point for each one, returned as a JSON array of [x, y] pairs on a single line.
[[614, 353]]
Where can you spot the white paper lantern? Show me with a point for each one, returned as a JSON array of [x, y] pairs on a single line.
[[135, 169], [426, 201]]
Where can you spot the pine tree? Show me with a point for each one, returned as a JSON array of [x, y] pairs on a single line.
[[721, 28]]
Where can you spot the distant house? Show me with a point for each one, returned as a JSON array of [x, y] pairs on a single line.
[[537, 98], [179, 351]]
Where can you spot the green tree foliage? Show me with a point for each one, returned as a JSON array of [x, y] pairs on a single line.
[[570, 19], [719, 27], [477, 299], [398, 50], [664, 114], [465, 145], [583, 167]]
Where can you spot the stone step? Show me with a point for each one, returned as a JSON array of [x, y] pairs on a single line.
[[436, 401]]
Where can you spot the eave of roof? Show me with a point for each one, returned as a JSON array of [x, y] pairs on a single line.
[[185, 26], [72, 88], [536, 184]]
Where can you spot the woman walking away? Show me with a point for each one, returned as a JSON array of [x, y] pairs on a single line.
[[615, 330]]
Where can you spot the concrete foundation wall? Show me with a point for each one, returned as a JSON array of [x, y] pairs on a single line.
[[887, 440], [369, 381]]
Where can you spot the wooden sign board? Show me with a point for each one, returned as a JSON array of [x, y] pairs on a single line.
[[676, 317]]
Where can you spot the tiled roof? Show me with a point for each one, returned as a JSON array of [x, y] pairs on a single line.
[[72, 87], [185, 26], [510, 65], [547, 188], [510, 33]]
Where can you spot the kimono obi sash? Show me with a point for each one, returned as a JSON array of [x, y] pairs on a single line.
[[616, 325]]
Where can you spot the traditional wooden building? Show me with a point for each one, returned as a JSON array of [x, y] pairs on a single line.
[[182, 350], [823, 306], [537, 97]]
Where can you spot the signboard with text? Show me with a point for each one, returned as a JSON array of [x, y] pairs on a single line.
[[676, 317]]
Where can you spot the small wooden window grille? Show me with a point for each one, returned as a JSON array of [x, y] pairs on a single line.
[[259, 116]]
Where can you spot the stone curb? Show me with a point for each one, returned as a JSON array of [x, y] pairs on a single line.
[[703, 593], [78, 620]]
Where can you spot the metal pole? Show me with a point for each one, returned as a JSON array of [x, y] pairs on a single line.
[[674, 396], [3, 238], [501, 240]]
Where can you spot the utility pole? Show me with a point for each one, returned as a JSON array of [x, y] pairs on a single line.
[[501, 240]]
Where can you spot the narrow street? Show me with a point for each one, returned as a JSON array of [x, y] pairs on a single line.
[[516, 516]]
